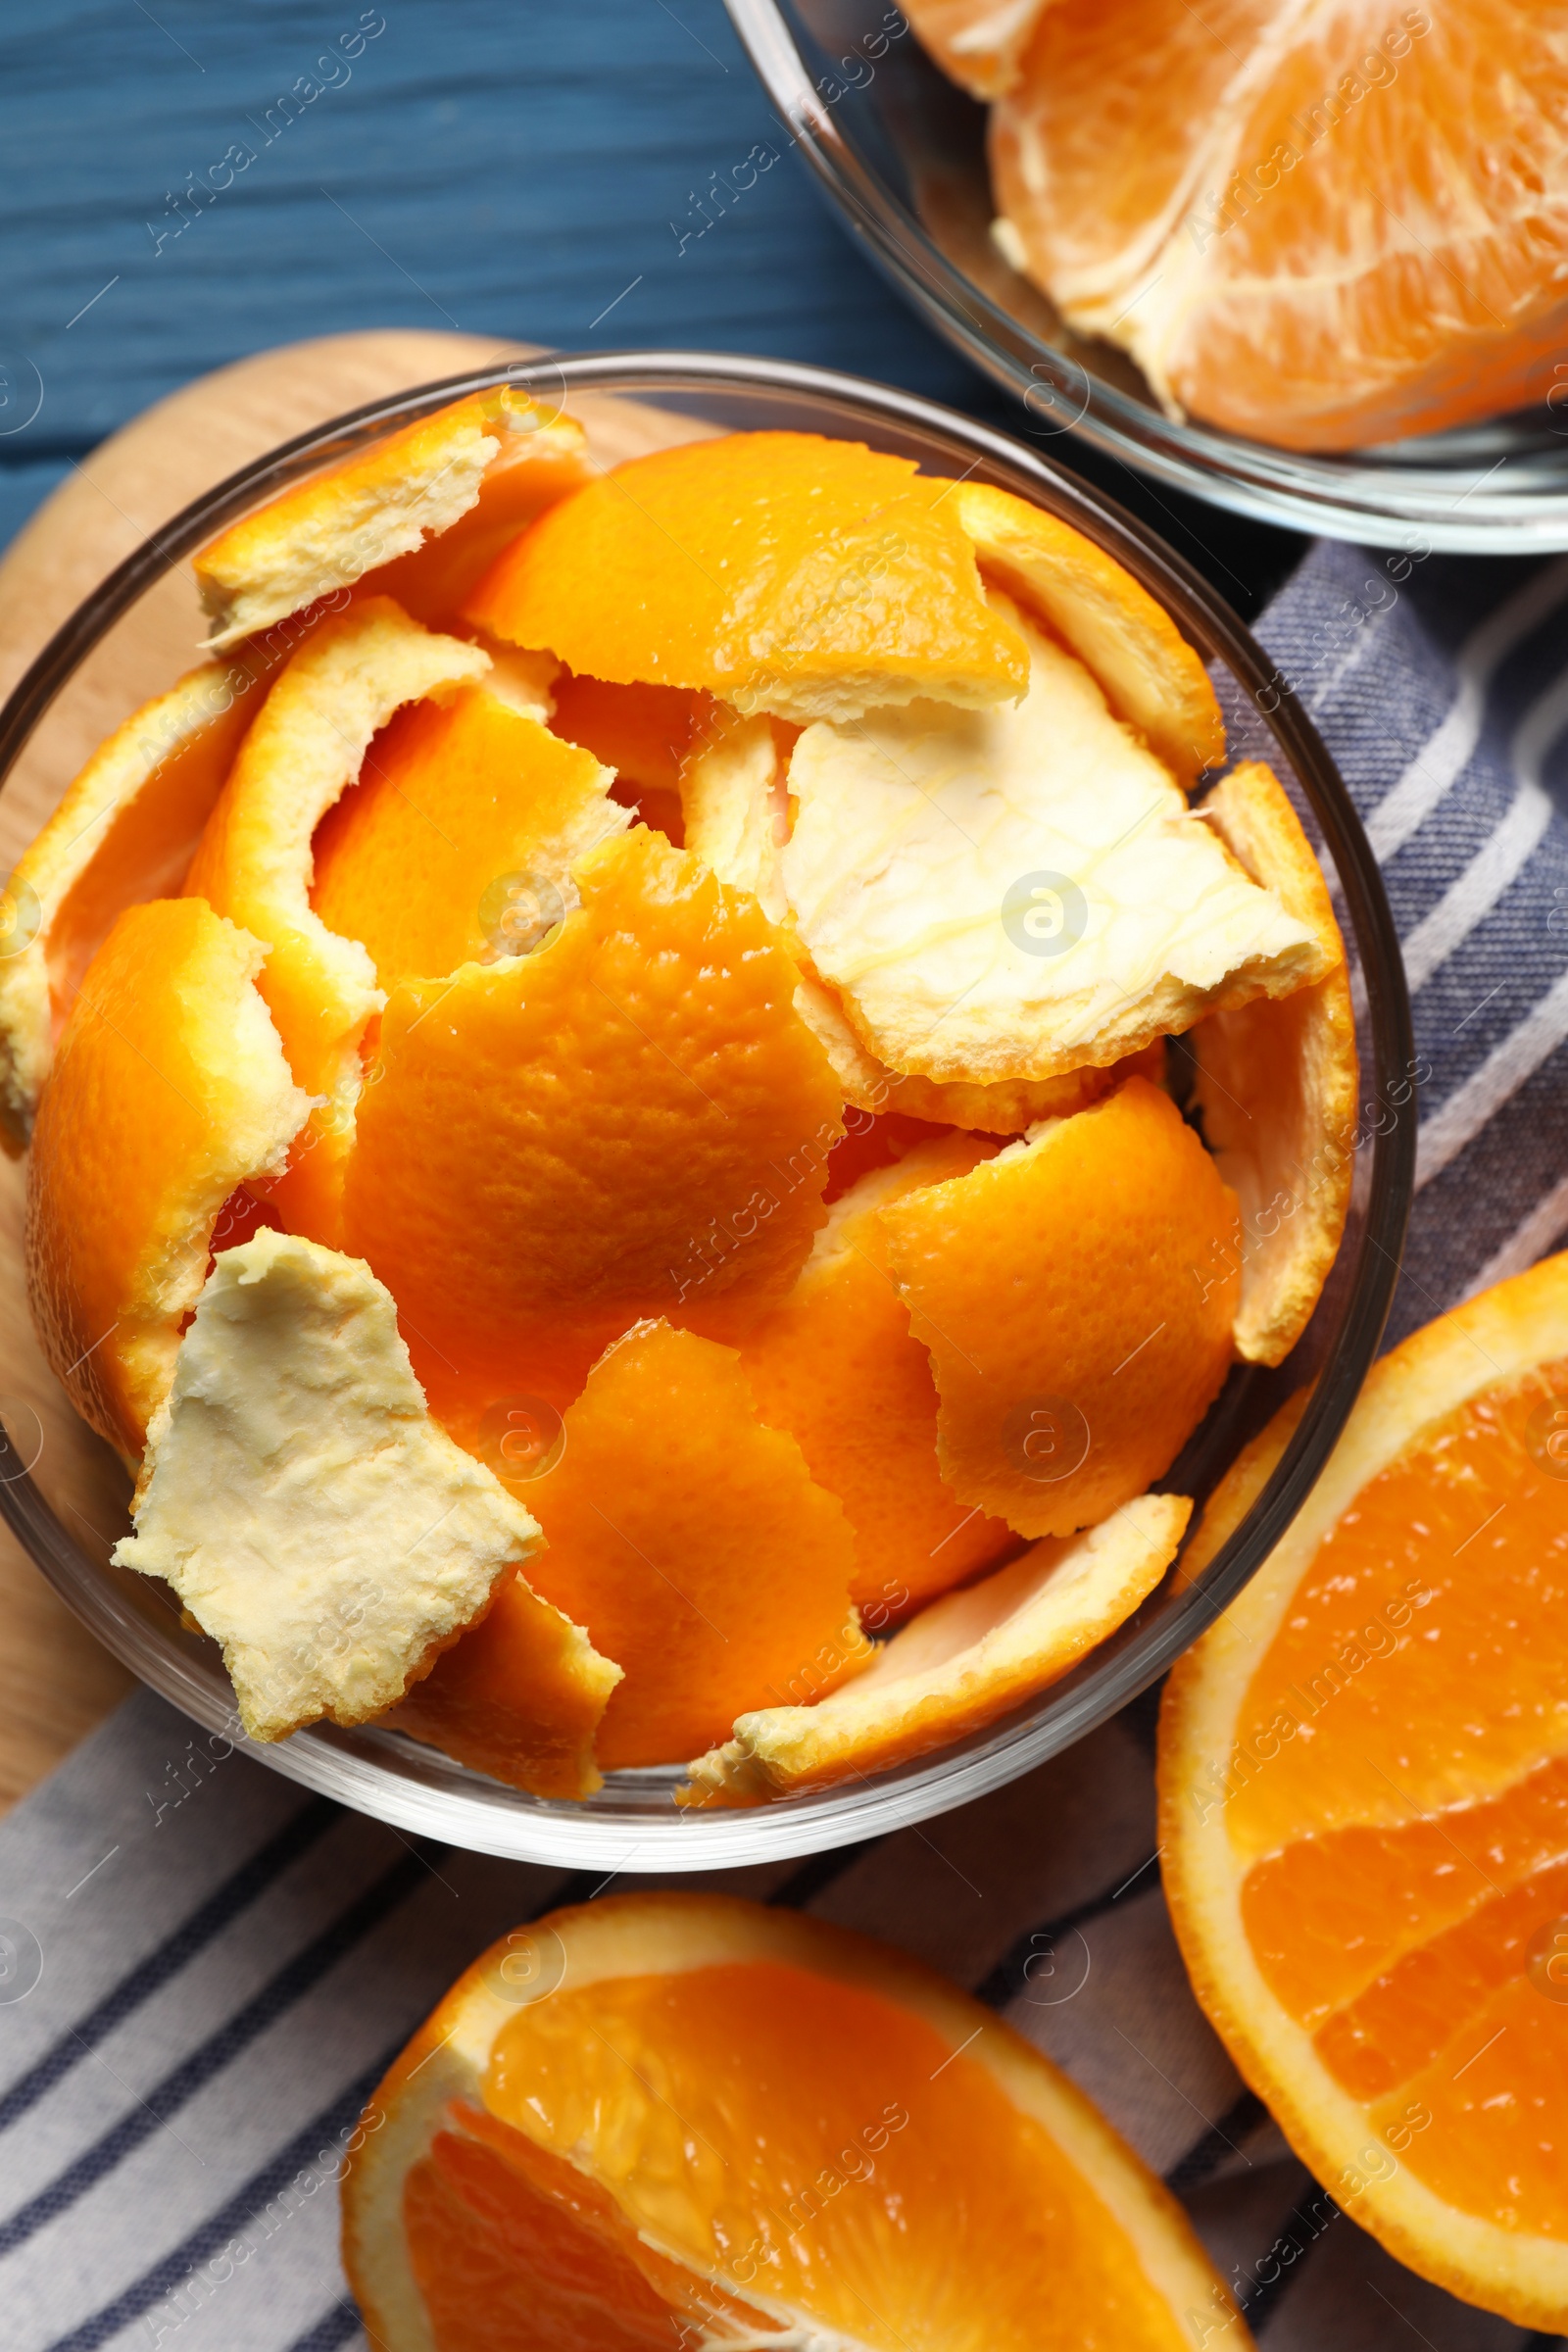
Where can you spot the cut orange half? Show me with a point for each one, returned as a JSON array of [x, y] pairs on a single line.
[[1364, 1805], [684, 2119]]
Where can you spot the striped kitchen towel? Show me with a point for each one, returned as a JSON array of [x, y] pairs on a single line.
[[202, 1971]]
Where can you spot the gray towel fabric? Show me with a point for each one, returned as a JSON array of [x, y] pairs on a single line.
[[203, 1971]]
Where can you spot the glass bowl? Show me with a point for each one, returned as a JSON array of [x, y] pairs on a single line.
[[901, 152], [66, 1495]]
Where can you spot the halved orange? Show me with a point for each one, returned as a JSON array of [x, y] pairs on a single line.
[[692, 1543], [677, 2118], [457, 842], [1322, 227], [780, 571], [628, 1121], [170, 1090], [486, 466], [835, 1364], [1364, 1805], [1063, 1289]]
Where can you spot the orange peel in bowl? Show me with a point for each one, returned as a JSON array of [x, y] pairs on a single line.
[[170, 1090], [1276, 1081], [457, 842], [780, 571], [636, 1097], [964, 1663], [485, 464], [835, 1364], [1010, 894], [310, 1514], [596, 2137], [1150, 675], [1075, 1349], [254, 863], [693, 1544]]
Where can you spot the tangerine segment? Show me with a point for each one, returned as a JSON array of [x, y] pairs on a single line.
[[169, 1091], [1369, 1881], [1148, 674], [780, 571], [1013, 893], [861, 2156], [1276, 1083], [628, 1120], [382, 505], [965, 1661], [1206, 204], [834, 1363], [1057, 1289], [123, 832], [1412, 1632], [456, 844], [693, 1544], [254, 863]]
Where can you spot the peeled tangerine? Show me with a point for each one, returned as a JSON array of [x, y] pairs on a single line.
[[1067, 1292], [1363, 1784], [678, 2119], [692, 1543], [319, 1524]]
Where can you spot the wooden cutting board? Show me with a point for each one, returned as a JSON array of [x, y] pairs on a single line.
[[56, 1682]]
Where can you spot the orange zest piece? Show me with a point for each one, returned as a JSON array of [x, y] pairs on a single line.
[[1063, 1289], [780, 571], [880, 2161], [1197, 191], [835, 1364], [124, 832], [1364, 1798], [692, 1544], [457, 842], [963, 1663], [1276, 1084], [254, 863], [636, 1098], [486, 465], [169, 1091]]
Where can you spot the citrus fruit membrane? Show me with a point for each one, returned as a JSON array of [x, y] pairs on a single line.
[[687, 2117], [1364, 1792]]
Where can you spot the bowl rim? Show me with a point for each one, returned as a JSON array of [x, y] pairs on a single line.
[[1375, 497], [434, 1797]]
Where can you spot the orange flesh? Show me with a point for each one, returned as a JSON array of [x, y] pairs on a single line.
[[1411, 1833], [853, 2169]]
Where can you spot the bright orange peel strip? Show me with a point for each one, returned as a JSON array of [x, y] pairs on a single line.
[[1063, 1288], [170, 1090]]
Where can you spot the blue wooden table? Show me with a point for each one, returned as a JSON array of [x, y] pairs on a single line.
[[183, 182]]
